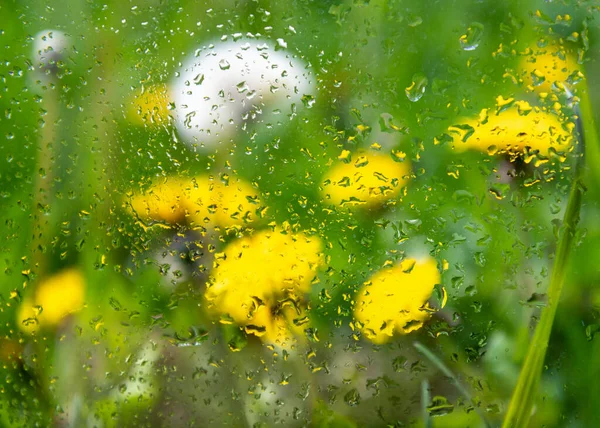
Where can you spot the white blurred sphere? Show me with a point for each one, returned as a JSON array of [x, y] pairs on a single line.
[[224, 84], [49, 47]]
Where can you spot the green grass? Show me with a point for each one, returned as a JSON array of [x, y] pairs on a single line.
[[524, 396]]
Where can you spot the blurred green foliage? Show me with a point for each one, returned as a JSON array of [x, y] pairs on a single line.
[[387, 76]]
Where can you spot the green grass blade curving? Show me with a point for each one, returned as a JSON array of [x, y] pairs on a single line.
[[523, 398]]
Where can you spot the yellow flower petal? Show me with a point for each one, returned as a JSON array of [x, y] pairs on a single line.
[[263, 277], [369, 180], [164, 201], [511, 132], [200, 201], [393, 300], [54, 299], [223, 204], [543, 67], [149, 106]]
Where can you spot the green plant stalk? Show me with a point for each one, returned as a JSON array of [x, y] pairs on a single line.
[[425, 400], [41, 226], [592, 148], [522, 401]]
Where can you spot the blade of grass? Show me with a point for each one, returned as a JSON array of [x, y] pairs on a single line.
[[448, 373], [425, 400], [522, 401], [592, 148]]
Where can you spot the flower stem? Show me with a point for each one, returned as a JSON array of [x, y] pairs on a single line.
[[592, 148], [522, 401], [425, 400], [43, 183]]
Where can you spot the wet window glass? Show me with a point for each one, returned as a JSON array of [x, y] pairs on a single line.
[[334, 213]]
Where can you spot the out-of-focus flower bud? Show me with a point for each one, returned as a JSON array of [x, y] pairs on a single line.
[[49, 48], [225, 84]]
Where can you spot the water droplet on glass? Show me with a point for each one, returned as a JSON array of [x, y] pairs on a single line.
[[537, 77], [414, 20], [399, 364], [308, 101], [199, 79], [575, 77], [537, 300], [352, 397], [492, 150], [440, 406], [281, 44], [471, 39], [499, 190], [224, 65], [417, 88]]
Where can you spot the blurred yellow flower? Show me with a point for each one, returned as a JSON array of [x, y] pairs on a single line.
[[223, 204], [368, 180], [163, 201], [54, 299], [280, 325], [199, 201], [149, 106], [543, 67], [394, 300], [259, 282], [513, 130]]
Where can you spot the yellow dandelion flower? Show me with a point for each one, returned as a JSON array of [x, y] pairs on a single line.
[[200, 201], [259, 281], [163, 201], [368, 180], [223, 204], [281, 326], [543, 67], [149, 106], [54, 299], [394, 300], [513, 131]]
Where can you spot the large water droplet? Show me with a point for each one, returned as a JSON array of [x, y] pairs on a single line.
[[352, 398], [224, 65], [199, 79], [440, 406], [308, 101], [417, 88], [537, 300], [537, 77], [471, 39]]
